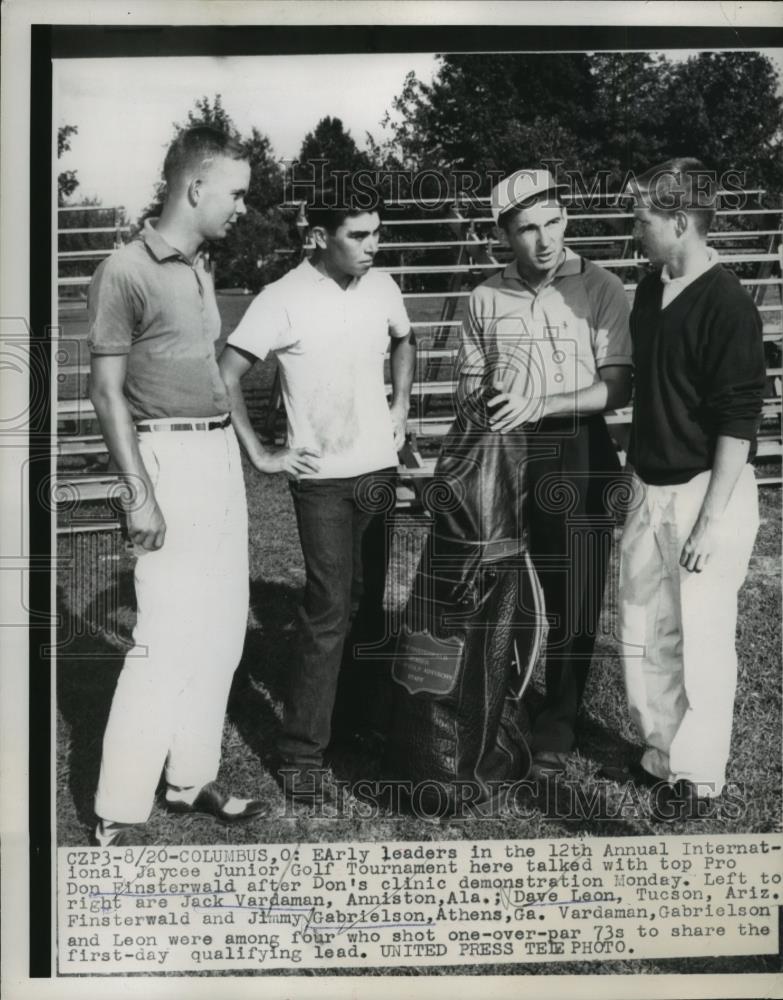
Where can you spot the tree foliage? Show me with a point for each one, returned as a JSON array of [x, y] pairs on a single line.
[[610, 112], [331, 142], [209, 113], [485, 112], [67, 182], [629, 111], [326, 154], [727, 106]]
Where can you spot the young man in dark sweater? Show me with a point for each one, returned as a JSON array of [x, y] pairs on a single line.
[[700, 373]]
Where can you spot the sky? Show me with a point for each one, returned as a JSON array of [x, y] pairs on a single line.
[[125, 108]]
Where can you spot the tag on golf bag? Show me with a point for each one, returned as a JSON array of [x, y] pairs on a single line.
[[426, 663]]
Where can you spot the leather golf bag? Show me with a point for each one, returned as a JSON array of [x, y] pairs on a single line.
[[472, 630]]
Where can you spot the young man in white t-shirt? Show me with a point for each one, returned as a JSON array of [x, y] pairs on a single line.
[[329, 322]]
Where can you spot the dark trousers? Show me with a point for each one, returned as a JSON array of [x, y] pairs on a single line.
[[570, 522], [342, 533]]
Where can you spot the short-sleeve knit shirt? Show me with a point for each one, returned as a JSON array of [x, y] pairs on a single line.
[[151, 303], [550, 340]]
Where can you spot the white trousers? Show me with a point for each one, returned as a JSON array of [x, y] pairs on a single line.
[[677, 628], [192, 599]]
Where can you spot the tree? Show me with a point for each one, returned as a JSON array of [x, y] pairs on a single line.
[[266, 177], [604, 113], [331, 142], [479, 107], [213, 114], [250, 255], [66, 179], [629, 114], [726, 108], [326, 154]]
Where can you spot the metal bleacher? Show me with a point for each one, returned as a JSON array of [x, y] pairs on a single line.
[[437, 251]]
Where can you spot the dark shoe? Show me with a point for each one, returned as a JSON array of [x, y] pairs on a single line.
[[364, 742], [681, 801], [694, 805], [548, 764], [306, 785], [213, 801], [370, 742], [665, 804], [623, 773], [108, 834]]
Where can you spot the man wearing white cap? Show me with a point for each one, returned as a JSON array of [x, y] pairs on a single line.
[[548, 338]]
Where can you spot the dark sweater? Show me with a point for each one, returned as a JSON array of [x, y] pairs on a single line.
[[699, 373]]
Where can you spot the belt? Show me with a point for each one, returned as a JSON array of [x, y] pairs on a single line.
[[186, 425]]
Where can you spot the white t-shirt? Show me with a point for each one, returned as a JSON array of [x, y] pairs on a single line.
[[330, 344]]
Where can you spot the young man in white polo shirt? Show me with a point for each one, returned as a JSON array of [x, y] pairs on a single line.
[[328, 322]]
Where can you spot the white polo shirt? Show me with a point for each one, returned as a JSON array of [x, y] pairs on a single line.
[[330, 344]]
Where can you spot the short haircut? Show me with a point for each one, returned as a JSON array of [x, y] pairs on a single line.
[[195, 147], [682, 184], [506, 218], [332, 205]]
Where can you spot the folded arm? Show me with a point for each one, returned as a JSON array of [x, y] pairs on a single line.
[[612, 390]]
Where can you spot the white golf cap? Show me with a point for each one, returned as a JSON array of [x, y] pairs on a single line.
[[520, 187]]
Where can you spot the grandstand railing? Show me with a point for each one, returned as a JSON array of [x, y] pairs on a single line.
[[118, 229], [748, 238]]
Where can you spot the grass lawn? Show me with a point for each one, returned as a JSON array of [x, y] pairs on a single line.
[[96, 588], [86, 680], [95, 600]]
